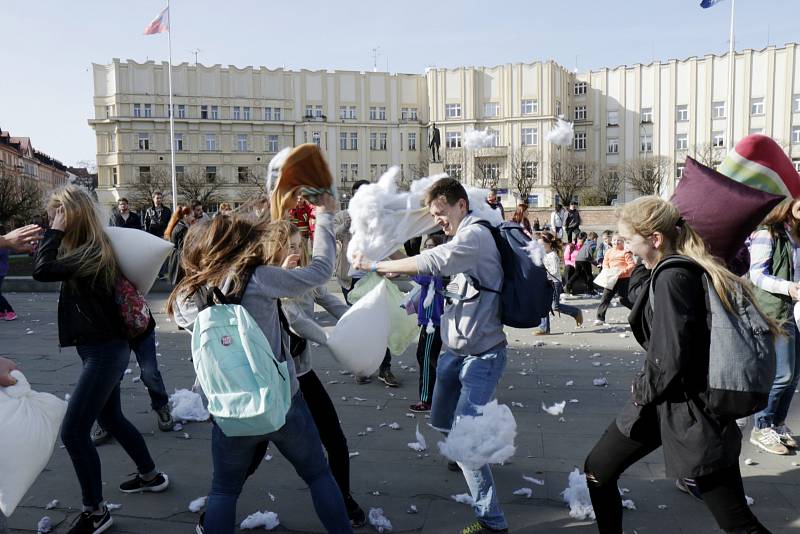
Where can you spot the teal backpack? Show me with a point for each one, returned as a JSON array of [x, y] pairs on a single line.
[[248, 390]]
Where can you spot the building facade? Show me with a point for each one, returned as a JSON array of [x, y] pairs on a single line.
[[230, 121], [19, 159]]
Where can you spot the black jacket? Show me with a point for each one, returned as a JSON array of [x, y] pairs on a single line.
[[87, 313], [133, 221], [157, 224], [177, 236], [671, 388], [573, 219]]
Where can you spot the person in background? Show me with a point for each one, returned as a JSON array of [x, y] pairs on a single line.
[[521, 217], [197, 211], [537, 226], [495, 204], [157, 216], [302, 216], [572, 221], [124, 217], [602, 247], [582, 254], [6, 311], [224, 209], [616, 258], [176, 232], [557, 217], [570, 253], [552, 263]]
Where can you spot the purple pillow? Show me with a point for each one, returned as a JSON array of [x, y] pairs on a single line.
[[722, 211]]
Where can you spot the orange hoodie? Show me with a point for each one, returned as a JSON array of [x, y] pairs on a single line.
[[619, 259]]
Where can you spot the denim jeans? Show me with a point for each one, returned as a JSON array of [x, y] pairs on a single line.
[[462, 384], [96, 397], [557, 306], [787, 373], [145, 351], [298, 440]]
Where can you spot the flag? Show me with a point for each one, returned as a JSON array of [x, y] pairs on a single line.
[[160, 24], [705, 4]]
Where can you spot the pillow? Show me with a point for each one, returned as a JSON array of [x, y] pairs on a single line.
[[722, 211], [305, 172]]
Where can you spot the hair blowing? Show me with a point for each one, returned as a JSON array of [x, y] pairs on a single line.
[[85, 246], [650, 214]]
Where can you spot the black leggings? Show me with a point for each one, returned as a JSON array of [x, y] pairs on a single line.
[[583, 271], [722, 491], [428, 349], [621, 288]]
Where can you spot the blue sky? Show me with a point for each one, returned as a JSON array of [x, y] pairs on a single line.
[[49, 45]]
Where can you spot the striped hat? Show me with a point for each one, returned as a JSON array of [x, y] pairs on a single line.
[[759, 162]]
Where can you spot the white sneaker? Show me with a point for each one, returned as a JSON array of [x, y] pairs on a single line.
[[769, 440], [785, 434], [598, 322]]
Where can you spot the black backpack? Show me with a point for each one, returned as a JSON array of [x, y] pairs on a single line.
[[526, 294]]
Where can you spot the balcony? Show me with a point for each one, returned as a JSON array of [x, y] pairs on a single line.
[[315, 118]]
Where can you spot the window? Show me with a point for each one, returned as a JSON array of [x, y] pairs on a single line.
[[612, 147], [452, 111], [408, 114], [373, 171], [215, 112], [796, 135], [144, 141], [114, 176], [646, 142], [682, 141], [211, 173], [179, 172], [491, 109], [718, 139], [246, 113], [580, 141], [384, 168], [241, 143], [109, 111], [490, 171], [382, 141], [796, 163], [580, 113], [112, 142], [756, 131], [796, 103], [452, 139], [682, 113], [181, 114], [718, 110], [756, 106], [612, 118], [647, 114], [343, 168], [137, 110], [530, 136], [272, 143], [237, 113], [412, 141], [267, 114], [529, 169], [377, 113], [495, 137], [203, 112], [316, 138], [342, 140], [243, 174], [373, 141], [148, 110], [144, 174], [453, 170], [558, 107], [353, 141], [314, 111], [178, 142], [347, 112], [580, 88], [354, 171], [211, 142], [530, 106], [679, 170], [276, 114]]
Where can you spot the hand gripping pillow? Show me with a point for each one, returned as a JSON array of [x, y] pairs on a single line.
[[139, 255], [359, 340], [29, 425]]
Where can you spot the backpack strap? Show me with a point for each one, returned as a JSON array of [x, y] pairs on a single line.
[[474, 282], [687, 262]]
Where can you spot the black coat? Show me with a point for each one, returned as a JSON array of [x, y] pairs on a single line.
[[87, 313], [177, 236], [671, 388], [155, 224], [573, 219], [133, 221]]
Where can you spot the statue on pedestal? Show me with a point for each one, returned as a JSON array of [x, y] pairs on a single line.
[[436, 141]]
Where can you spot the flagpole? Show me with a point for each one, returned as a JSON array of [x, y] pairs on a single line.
[[731, 66], [171, 117]]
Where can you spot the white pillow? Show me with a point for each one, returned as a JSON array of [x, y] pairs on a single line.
[[139, 255]]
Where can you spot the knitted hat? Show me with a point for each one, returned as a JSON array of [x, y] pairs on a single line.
[[759, 162], [305, 172]]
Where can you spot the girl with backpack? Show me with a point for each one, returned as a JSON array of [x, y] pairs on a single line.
[[76, 252], [231, 253], [774, 270], [284, 240], [669, 402], [552, 263]]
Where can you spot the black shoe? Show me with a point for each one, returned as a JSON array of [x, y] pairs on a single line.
[[689, 486], [361, 380], [479, 528], [199, 528], [355, 513], [138, 485], [100, 436], [453, 466], [165, 421], [88, 523], [388, 378]]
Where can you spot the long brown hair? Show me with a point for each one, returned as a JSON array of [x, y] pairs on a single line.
[[177, 215], [85, 246], [552, 240], [780, 215], [520, 213], [276, 238], [213, 252]]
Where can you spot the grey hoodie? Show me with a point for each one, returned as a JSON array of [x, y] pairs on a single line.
[[270, 283], [470, 325]]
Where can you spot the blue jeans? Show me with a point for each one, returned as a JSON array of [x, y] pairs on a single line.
[[96, 397], [787, 373], [235, 458], [462, 384], [145, 351], [557, 306]]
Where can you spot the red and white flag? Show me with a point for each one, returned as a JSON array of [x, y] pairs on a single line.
[[160, 24]]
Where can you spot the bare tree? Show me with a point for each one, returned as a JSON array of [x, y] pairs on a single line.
[[523, 170], [21, 197], [254, 183], [568, 175], [455, 160], [609, 183], [140, 191], [648, 175], [708, 154], [487, 172], [195, 184]]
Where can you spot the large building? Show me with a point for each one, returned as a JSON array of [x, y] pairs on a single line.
[[230, 121], [19, 159]]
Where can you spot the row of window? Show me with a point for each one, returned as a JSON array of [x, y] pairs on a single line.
[[210, 142], [377, 141], [243, 173], [528, 106], [207, 112]]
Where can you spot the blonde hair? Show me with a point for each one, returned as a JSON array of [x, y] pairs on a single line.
[[276, 239], [650, 214], [85, 246]]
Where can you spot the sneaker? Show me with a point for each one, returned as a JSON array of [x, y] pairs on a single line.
[[453, 466], [10, 316], [785, 433], [165, 420], [540, 332], [688, 486], [388, 378], [2, 316], [138, 485], [479, 528], [99, 436], [420, 407], [199, 528], [355, 513], [579, 319], [361, 380], [89, 523], [769, 440], [598, 322]]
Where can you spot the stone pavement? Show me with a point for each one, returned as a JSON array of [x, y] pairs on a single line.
[[386, 473]]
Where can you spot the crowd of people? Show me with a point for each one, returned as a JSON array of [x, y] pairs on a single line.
[[277, 271]]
